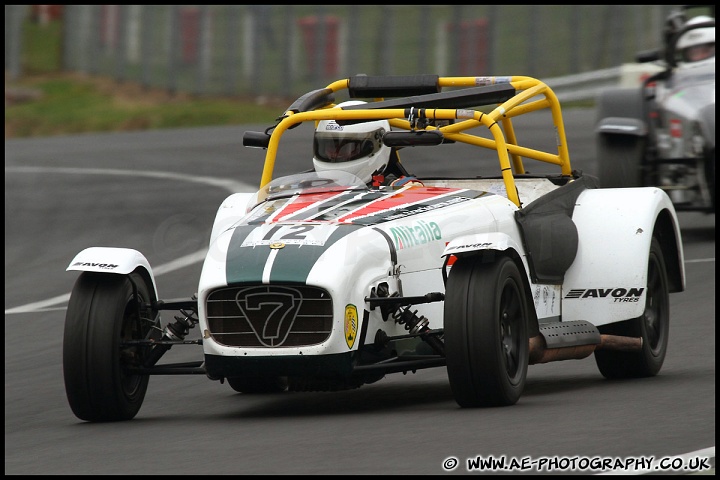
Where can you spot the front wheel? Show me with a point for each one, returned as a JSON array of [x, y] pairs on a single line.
[[105, 311], [620, 156], [653, 326], [486, 332]]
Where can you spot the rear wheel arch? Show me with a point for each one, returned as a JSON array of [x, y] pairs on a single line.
[[652, 326], [664, 231]]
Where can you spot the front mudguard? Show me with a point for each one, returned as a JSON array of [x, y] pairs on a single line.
[[112, 260]]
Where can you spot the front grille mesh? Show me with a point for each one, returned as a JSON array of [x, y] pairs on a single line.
[[269, 316]]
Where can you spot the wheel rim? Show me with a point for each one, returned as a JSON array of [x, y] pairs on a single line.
[[510, 319], [654, 308], [131, 355]]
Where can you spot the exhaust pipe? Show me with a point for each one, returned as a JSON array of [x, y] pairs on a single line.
[[539, 353]]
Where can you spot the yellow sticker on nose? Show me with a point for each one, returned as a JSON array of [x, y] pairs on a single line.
[[351, 325]]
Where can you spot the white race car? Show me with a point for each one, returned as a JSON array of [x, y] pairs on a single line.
[[663, 134], [320, 282]]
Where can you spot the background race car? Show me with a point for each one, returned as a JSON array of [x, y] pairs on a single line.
[[663, 134]]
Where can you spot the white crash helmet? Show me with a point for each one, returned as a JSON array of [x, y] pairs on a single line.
[[357, 148], [697, 44]]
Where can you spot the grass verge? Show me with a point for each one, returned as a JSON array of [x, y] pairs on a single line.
[[57, 104]]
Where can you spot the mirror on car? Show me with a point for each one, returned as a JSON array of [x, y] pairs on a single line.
[[648, 56], [256, 139]]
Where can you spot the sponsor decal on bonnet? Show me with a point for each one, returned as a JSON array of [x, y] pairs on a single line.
[[418, 233]]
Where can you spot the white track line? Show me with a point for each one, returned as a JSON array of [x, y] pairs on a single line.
[[229, 185], [199, 256], [171, 266]]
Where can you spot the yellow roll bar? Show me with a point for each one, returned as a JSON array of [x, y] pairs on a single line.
[[531, 95]]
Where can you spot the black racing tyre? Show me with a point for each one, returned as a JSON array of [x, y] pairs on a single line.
[[653, 326], [620, 157], [101, 314], [258, 384], [486, 332]]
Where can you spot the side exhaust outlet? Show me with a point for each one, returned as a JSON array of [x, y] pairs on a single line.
[[539, 353]]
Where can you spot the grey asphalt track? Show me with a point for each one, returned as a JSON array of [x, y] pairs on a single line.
[[158, 192]]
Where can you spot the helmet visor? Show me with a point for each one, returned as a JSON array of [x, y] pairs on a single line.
[[338, 147], [696, 53]]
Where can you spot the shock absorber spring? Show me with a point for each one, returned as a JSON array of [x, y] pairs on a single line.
[[174, 332], [418, 324], [410, 320], [181, 327]]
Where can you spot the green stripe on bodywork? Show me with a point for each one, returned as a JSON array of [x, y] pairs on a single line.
[[244, 264], [292, 263]]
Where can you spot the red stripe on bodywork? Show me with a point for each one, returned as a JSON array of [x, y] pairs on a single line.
[[406, 196], [304, 201]]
